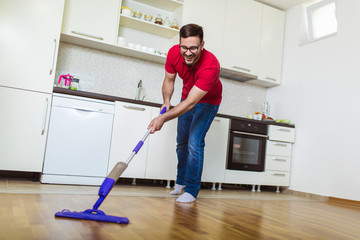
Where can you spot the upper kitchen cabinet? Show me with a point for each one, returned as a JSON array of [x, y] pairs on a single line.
[[102, 25], [271, 47], [212, 20], [154, 28], [96, 20], [29, 42], [242, 30]]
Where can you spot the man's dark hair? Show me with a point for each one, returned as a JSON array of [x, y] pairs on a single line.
[[192, 30]]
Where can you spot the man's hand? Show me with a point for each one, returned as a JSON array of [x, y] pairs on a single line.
[[157, 123]]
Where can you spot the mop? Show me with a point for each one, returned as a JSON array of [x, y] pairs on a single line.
[[95, 214]]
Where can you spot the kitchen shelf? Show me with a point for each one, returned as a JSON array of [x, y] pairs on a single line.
[[123, 50], [148, 27], [167, 5]]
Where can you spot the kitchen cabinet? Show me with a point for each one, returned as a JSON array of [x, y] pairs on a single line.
[[278, 156], [29, 41], [241, 36], [130, 125], [271, 47], [161, 155], [212, 20], [23, 129], [95, 19], [84, 26], [215, 155]]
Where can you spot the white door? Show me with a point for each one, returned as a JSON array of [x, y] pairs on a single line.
[[242, 36], [96, 20], [215, 155], [271, 44], [162, 158], [130, 125], [23, 129], [29, 41], [212, 20]]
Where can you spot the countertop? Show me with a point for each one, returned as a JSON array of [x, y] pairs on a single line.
[[114, 98]]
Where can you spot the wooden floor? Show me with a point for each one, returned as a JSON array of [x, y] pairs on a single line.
[[275, 216]]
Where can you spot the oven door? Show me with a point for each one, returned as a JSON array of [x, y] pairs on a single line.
[[246, 151]]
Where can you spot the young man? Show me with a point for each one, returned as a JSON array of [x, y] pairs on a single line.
[[201, 96]]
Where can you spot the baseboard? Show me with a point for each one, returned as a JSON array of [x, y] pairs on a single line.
[[308, 195], [343, 201]]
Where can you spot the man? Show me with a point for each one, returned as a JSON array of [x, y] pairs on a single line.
[[201, 96]]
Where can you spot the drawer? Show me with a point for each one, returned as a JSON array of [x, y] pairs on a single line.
[[283, 134], [276, 178], [278, 163], [278, 148]]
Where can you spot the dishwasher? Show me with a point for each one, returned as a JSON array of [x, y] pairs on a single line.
[[78, 143]]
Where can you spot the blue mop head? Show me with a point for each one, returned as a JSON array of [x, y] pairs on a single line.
[[91, 214]]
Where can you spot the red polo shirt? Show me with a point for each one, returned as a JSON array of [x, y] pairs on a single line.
[[204, 74]]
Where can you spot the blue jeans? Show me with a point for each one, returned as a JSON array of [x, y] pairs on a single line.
[[191, 130]]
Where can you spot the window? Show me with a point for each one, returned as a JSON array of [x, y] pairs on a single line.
[[321, 18]]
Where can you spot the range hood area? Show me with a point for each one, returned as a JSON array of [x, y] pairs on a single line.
[[238, 75]]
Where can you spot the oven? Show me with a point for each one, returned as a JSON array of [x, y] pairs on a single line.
[[247, 145]]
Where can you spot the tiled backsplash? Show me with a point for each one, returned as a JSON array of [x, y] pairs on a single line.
[[118, 75]]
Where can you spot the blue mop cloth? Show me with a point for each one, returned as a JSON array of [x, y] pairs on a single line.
[[91, 214]]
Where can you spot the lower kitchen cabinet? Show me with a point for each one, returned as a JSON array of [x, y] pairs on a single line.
[[23, 129], [216, 144], [278, 156], [130, 125], [161, 157]]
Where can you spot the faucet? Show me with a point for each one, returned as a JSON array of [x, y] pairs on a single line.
[[139, 87]]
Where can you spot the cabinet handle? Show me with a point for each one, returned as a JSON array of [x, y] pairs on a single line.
[[87, 35], [241, 68], [279, 159], [279, 174], [134, 108], [53, 58], [284, 130], [280, 144], [271, 79], [216, 120], [44, 116]]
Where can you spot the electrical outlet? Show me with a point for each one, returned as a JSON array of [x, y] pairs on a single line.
[[249, 99]]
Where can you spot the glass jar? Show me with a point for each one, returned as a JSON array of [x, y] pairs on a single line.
[[167, 22], [174, 24], [159, 20], [74, 84]]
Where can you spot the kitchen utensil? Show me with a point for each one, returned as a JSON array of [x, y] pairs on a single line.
[[67, 80], [127, 11], [137, 14], [148, 17], [95, 214]]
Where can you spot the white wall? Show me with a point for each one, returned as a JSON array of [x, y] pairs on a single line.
[[320, 94]]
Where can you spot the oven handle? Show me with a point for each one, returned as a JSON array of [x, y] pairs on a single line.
[[251, 134]]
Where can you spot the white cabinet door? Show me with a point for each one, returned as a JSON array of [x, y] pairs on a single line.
[[162, 158], [29, 41], [212, 20], [130, 125], [92, 19], [242, 36], [23, 129], [271, 45], [216, 143]]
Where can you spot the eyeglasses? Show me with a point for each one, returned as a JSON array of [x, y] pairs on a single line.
[[192, 49]]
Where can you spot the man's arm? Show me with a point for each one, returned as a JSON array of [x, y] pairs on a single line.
[[168, 89], [195, 95]]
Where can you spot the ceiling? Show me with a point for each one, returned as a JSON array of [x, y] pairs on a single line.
[[285, 4]]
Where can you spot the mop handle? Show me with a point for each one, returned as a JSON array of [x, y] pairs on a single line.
[[141, 142]]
